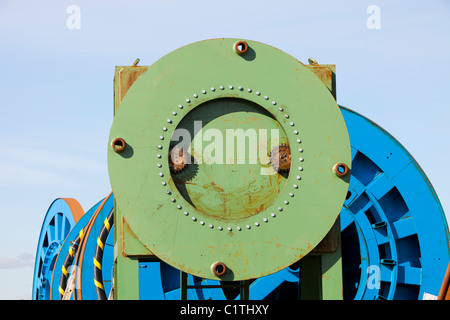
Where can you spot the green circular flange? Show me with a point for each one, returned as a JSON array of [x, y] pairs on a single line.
[[188, 239]]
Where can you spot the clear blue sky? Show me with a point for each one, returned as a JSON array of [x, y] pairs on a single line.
[[57, 95]]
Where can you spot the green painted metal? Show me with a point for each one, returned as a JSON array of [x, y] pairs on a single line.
[[184, 219]]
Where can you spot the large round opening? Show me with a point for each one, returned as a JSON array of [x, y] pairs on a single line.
[[228, 158]]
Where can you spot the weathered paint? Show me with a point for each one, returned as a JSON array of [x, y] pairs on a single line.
[[192, 246]]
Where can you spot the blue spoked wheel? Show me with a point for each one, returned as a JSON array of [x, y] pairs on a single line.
[[61, 217], [395, 239]]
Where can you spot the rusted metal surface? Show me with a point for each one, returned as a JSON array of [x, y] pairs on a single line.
[[177, 159], [124, 77], [280, 158], [327, 74]]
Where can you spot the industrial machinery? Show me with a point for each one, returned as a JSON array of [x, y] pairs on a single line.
[[236, 175]]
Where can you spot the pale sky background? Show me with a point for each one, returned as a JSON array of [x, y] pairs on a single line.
[[56, 87]]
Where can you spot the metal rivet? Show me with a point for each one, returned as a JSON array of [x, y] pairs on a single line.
[[222, 87], [299, 141], [280, 209], [211, 226], [173, 200], [286, 116], [247, 226], [186, 213], [291, 123], [164, 129], [240, 88], [180, 106], [249, 90], [159, 146], [300, 150], [273, 215], [231, 87], [161, 137], [300, 159], [281, 109], [168, 192], [188, 101], [213, 89], [220, 228], [265, 219], [204, 91], [169, 120], [291, 194], [258, 93], [274, 102], [299, 178], [159, 165], [158, 156], [163, 183], [266, 97], [195, 95], [178, 206], [300, 168], [194, 219], [229, 229], [257, 224], [239, 228], [161, 174], [295, 132], [202, 223], [295, 186], [286, 202], [174, 113]]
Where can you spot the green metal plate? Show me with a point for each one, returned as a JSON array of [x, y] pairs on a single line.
[[228, 206]]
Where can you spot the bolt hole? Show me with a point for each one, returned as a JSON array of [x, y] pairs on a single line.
[[118, 145], [340, 169], [241, 47], [219, 269]]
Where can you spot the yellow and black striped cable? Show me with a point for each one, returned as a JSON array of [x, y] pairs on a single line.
[[68, 262], [98, 256]]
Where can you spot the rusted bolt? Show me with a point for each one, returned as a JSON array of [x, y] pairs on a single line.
[[118, 145], [218, 269], [280, 158], [340, 169], [177, 159], [241, 47]]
